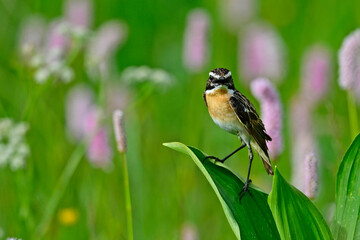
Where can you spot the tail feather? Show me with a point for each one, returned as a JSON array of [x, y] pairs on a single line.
[[268, 167], [264, 157]]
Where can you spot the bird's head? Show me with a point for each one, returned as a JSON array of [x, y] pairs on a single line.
[[220, 77]]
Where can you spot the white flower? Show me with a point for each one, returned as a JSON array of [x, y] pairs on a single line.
[[134, 75], [31, 34], [66, 74], [41, 75], [13, 146]]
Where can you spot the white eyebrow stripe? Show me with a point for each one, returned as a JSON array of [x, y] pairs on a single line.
[[212, 74], [227, 75]]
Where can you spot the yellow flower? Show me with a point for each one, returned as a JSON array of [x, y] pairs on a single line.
[[68, 216]]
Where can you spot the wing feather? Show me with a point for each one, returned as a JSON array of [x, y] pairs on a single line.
[[247, 114]]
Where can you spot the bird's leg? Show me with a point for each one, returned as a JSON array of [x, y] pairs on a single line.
[[225, 158], [248, 181]]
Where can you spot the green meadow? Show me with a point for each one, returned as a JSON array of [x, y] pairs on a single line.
[[58, 189]]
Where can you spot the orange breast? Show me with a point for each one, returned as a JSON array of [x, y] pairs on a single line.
[[219, 106]]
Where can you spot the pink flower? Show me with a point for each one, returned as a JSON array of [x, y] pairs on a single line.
[[119, 130], [83, 123], [196, 47], [81, 114], [235, 13], [304, 155], [349, 61], [107, 40], [78, 13], [57, 40], [311, 175], [261, 53], [271, 113], [189, 232], [50, 59], [316, 73], [99, 152]]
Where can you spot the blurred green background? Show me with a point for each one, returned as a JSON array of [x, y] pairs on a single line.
[[168, 191]]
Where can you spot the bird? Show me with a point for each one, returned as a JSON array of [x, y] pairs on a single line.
[[234, 113]]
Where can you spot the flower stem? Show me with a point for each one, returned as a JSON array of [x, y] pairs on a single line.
[[143, 95], [127, 199], [35, 94], [63, 182], [353, 118]]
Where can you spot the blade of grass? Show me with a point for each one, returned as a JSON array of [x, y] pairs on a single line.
[[59, 190], [353, 118], [128, 207]]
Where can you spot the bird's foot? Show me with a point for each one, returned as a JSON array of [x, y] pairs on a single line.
[[245, 189], [215, 158]]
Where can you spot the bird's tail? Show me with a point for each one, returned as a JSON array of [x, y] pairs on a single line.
[[267, 166], [264, 157]]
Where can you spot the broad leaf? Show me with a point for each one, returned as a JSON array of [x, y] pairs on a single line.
[[295, 215], [346, 224], [250, 219]]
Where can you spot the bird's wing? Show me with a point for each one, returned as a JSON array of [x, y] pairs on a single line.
[[247, 114], [204, 96]]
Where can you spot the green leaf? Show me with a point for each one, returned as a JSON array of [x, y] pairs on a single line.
[[250, 219], [346, 224], [295, 215]]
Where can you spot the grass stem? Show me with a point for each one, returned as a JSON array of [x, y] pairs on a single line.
[[127, 199], [61, 186], [353, 118]]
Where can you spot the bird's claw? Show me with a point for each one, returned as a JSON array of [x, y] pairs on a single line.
[[244, 190], [213, 157]]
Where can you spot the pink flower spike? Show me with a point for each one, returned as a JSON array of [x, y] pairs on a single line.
[[103, 46], [57, 42], [99, 151], [119, 130], [311, 175], [108, 38], [316, 73], [78, 13], [81, 115], [196, 49], [262, 53], [189, 232], [236, 13], [349, 61], [271, 113], [304, 146]]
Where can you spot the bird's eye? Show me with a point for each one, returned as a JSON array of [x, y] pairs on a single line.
[[211, 78]]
